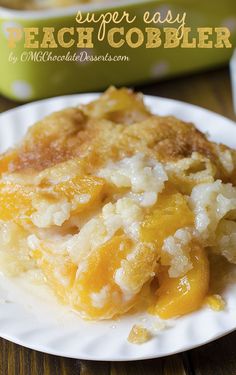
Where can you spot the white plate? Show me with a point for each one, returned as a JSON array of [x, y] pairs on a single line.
[[35, 319]]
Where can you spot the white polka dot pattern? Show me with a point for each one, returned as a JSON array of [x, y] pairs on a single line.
[[22, 90]]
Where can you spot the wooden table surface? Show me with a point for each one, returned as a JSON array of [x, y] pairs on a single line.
[[210, 90]]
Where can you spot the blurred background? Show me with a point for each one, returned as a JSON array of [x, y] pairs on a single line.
[[27, 81]]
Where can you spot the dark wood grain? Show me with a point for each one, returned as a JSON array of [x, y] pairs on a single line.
[[6, 104], [216, 358], [210, 90]]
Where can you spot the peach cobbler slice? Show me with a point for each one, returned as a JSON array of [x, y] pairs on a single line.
[[118, 208]]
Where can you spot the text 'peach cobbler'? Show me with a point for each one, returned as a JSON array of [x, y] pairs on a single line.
[[118, 208]]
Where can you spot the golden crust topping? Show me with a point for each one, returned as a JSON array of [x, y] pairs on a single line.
[[115, 126]]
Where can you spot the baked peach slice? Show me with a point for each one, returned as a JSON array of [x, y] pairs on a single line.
[[95, 293], [182, 295], [170, 213]]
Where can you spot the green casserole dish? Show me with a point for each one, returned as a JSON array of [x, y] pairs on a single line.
[[30, 79]]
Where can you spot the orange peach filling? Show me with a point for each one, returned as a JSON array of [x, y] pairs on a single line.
[[106, 282], [6, 160], [113, 276], [19, 202]]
